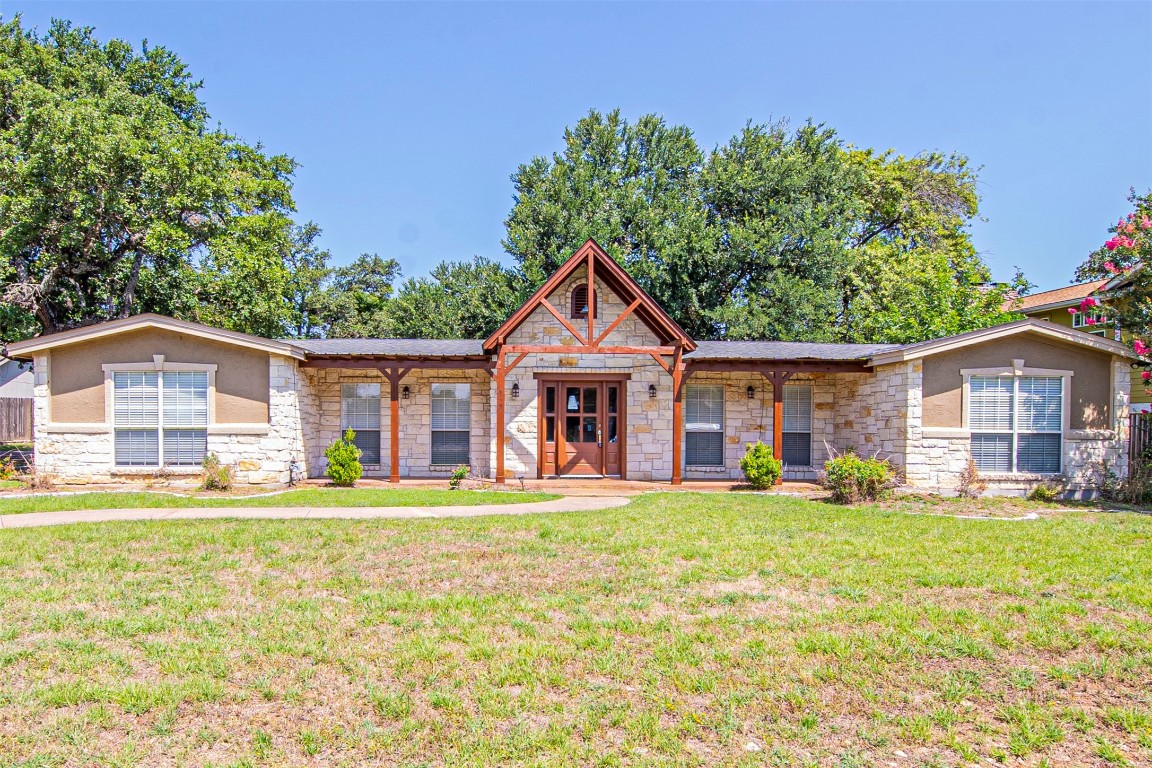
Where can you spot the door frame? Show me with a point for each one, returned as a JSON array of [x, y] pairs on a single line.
[[581, 378]]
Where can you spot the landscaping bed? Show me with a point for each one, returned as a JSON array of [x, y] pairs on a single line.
[[682, 629]]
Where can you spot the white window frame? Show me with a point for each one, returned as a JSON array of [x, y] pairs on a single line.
[[794, 386], [432, 430], [707, 428], [158, 366], [1099, 328], [1018, 371], [379, 429]]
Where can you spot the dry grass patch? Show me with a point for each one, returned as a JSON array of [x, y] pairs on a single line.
[[683, 629]]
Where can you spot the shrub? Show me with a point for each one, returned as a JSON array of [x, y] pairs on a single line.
[[972, 485], [1136, 488], [41, 481], [1046, 492], [459, 475], [217, 476], [852, 479], [344, 460], [761, 468], [7, 469]]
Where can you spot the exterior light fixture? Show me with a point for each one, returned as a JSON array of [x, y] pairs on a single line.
[[405, 393], [751, 392], [515, 390], [651, 391]]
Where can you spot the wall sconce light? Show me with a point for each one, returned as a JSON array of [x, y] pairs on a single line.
[[651, 391], [751, 392], [515, 390], [405, 393]]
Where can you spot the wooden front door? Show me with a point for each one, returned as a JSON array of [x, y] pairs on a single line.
[[582, 428]]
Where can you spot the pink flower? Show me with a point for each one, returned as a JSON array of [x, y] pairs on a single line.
[[1146, 375], [1145, 223], [1112, 243], [1111, 267], [1128, 242], [1139, 347], [1072, 310], [1088, 302], [1090, 321]]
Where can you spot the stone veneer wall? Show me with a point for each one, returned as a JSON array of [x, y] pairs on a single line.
[[322, 420], [746, 421], [261, 453]]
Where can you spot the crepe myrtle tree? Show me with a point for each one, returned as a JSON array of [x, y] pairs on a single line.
[[1129, 306]]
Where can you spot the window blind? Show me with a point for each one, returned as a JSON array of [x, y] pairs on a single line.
[[797, 425], [451, 423], [704, 425], [360, 412]]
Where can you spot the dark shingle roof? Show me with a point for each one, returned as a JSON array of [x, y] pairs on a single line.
[[784, 350], [397, 347]]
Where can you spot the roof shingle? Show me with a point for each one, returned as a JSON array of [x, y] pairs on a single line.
[[1071, 293]]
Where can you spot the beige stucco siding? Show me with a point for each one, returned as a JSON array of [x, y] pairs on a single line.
[[1091, 389], [77, 375]]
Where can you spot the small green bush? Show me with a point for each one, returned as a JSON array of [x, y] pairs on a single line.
[[1046, 492], [343, 456], [7, 469], [459, 475], [852, 479], [761, 468], [217, 476]]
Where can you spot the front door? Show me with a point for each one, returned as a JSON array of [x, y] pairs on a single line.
[[582, 428]]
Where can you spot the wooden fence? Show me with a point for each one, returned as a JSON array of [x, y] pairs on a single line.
[[15, 420], [1139, 437]]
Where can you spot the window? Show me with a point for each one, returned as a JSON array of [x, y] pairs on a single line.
[[451, 413], [704, 426], [797, 427], [360, 412], [160, 418], [580, 301], [1016, 422], [1098, 325]]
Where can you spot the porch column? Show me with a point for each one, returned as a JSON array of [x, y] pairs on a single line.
[[394, 429], [677, 418], [778, 379], [499, 378]]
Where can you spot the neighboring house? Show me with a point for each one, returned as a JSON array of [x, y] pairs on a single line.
[[578, 383], [15, 379], [1055, 306]]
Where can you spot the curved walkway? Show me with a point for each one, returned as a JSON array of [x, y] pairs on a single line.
[[563, 504]]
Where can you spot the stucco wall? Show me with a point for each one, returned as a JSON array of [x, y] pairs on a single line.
[[77, 378], [1091, 394]]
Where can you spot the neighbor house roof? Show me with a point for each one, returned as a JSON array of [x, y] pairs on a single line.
[[783, 350], [1068, 296], [1028, 325], [23, 350]]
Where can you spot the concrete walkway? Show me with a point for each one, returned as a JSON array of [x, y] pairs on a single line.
[[563, 504]]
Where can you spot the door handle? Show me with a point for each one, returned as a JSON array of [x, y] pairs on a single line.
[[599, 437]]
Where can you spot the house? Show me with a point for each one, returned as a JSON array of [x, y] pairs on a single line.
[[15, 379], [589, 378], [1056, 306]]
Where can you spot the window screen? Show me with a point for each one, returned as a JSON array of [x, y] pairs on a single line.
[[451, 428], [360, 412], [1016, 423], [704, 425], [797, 426]]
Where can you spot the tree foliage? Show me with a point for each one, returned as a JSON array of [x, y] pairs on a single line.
[[784, 234], [117, 196]]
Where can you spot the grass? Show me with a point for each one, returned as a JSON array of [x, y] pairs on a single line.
[[683, 629], [308, 497]]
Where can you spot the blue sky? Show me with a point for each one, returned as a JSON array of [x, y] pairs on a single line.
[[409, 119]]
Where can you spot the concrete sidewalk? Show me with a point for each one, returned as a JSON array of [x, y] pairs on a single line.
[[564, 504]]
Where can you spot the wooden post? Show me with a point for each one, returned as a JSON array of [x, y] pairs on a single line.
[[677, 419], [394, 427], [778, 379], [499, 379], [591, 295]]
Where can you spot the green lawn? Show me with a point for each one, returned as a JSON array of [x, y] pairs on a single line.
[[308, 497], [682, 629]]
